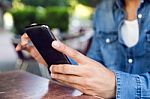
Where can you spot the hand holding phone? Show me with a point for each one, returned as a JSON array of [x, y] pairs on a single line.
[[42, 37]]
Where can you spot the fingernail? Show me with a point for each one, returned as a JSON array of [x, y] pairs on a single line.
[[55, 44], [50, 68]]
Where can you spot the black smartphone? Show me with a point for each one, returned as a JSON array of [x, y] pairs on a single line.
[[42, 38]]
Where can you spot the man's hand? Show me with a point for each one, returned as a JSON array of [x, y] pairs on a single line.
[[24, 45], [90, 77]]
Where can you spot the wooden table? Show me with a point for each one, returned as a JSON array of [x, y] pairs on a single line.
[[23, 85]]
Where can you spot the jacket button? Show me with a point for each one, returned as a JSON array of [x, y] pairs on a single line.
[[140, 16], [107, 40], [130, 61]]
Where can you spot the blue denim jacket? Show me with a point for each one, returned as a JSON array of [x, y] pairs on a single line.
[[131, 65]]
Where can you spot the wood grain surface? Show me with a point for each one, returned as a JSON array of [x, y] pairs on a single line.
[[23, 85]]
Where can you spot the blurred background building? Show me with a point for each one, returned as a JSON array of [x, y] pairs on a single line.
[[70, 21]]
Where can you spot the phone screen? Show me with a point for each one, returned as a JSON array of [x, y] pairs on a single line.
[[42, 38]]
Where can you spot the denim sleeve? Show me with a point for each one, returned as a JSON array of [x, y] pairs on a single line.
[[132, 86]]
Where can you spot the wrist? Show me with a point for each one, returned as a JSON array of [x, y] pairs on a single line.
[[112, 88], [113, 94]]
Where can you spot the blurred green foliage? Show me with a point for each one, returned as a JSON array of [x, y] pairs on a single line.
[[46, 3], [55, 17], [54, 13], [91, 3], [23, 17]]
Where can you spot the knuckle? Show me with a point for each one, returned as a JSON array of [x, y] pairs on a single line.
[[62, 47], [86, 72], [86, 86], [64, 68], [83, 89], [54, 68], [87, 82], [73, 53]]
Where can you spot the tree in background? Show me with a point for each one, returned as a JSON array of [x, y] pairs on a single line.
[[91, 3], [54, 13], [46, 3]]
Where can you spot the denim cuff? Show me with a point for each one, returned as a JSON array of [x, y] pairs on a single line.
[[128, 86]]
